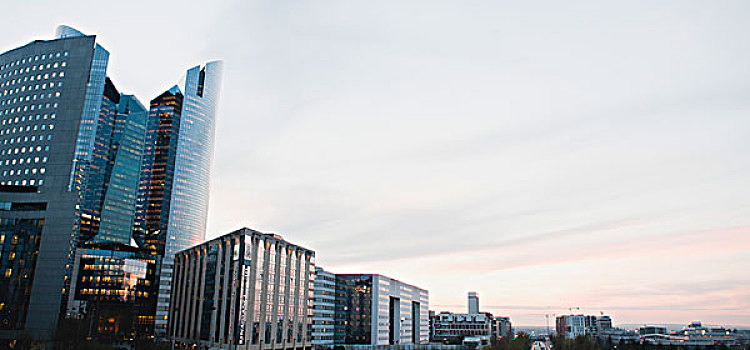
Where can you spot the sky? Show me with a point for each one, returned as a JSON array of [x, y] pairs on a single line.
[[545, 155]]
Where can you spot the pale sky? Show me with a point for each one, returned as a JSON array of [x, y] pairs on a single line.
[[545, 155]]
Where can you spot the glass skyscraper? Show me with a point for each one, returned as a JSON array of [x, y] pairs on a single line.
[[97, 193], [174, 185]]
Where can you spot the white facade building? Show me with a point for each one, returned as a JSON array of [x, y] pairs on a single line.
[[324, 305]]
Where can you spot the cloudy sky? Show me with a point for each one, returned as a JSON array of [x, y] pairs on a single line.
[[544, 155]]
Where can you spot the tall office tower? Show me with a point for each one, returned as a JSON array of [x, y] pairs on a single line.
[[51, 92], [173, 198], [111, 279], [473, 303], [243, 290]]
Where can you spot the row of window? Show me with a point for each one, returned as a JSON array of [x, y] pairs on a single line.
[[25, 118], [31, 182], [32, 69], [26, 171], [29, 87], [23, 150], [30, 59], [25, 139], [31, 97], [28, 160], [27, 108], [25, 87]]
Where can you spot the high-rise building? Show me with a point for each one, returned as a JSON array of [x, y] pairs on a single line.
[[51, 92], [111, 282], [370, 309], [72, 151], [174, 183], [473, 303], [243, 290]]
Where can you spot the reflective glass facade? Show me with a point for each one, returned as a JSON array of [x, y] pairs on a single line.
[[108, 206], [371, 309], [19, 239], [174, 189], [73, 150], [113, 291], [118, 209], [157, 174]]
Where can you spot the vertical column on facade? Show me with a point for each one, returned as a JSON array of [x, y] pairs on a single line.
[[214, 306], [174, 297], [226, 244], [250, 298], [297, 296], [184, 307], [284, 299], [191, 298], [263, 295], [201, 289], [235, 283], [181, 310], [193, 286], [277, 305], [307, 298]]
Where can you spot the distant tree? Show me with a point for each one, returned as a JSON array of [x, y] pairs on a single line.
[[580, 342], [522, 341]]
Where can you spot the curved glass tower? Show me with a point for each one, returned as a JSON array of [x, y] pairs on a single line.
[[174, 190]]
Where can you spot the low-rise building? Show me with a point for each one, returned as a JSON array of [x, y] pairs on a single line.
[[451, 328], [368, 309], [374, 309], [571, 326], [324, 306], [243, 290], [503, 326], [615, 336], [694, 334]]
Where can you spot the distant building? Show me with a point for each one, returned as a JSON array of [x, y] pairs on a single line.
[[694, 334], [504, 328], [473, 303], [432, 324], [368, 309], [378, 310], [324, 307], [571, 326], [615, 336], [649, 330], [452, 328], [245, 289], [604, 323]]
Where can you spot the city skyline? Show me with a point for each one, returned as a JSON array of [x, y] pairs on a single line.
[[573, 156]]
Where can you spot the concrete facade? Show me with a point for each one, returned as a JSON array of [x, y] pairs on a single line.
[[243, 290]]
